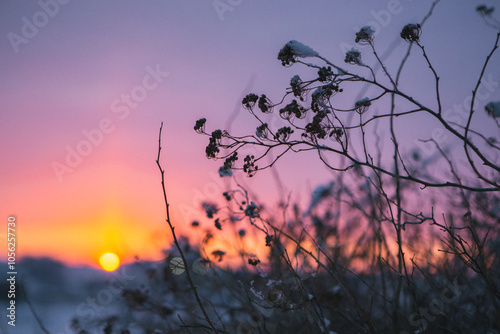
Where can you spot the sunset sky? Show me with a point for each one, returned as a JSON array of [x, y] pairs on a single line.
[[108, 73]]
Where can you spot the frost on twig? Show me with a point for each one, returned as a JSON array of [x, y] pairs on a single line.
[[293, 50], [362, 105]]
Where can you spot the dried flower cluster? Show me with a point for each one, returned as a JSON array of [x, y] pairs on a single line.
[[411, 32]]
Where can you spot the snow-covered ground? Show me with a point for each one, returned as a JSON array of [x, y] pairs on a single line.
[[58, 293]]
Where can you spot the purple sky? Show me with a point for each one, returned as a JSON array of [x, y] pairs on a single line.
[[70, 77]]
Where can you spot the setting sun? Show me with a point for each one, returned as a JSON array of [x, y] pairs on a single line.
[[109, 261]]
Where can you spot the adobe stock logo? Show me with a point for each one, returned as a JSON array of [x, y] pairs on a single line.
[[30, 28], [223, 6], [436, 307], [121, 108]]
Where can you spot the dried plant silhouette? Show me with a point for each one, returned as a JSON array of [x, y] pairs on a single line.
[[369, 254]]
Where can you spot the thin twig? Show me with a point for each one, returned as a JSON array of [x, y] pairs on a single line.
[[172, 228], [35, 315]]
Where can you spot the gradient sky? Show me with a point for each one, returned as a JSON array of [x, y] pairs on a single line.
[[69, 78]]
